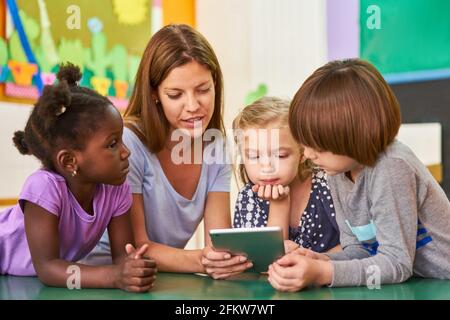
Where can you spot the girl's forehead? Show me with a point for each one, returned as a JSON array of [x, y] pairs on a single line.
[[256, 138], [111, 121], [265, 132]]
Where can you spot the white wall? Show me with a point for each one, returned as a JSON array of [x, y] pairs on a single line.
[[424, 139], [287, 43], [14, 167]]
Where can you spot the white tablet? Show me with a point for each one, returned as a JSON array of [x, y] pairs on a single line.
[[261, 246]]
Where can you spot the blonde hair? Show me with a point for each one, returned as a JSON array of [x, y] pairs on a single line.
[[258, 115]]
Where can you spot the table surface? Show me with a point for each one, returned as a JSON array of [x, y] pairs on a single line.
[[171, 286]]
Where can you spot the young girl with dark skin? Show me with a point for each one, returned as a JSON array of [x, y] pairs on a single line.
[[65, 207]]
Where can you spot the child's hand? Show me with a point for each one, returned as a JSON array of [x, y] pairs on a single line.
[[271, 192], [137, 253], [136, 273], [290, 246], [294, 272], [311, 254], [221, 265]]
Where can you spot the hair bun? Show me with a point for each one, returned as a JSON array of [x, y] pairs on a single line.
[[70, 73], [54, 102], [19, 142]]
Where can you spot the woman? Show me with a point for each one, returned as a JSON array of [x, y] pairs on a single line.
[[178, 94]]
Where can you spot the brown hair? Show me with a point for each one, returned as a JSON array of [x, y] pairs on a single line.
[[65, 116], [347, 108], [171, 47], [257, 115]]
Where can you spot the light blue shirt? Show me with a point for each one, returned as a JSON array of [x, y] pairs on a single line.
[[170, 218]]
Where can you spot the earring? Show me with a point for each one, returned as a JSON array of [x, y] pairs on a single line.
[[157, 101], [74, 173]]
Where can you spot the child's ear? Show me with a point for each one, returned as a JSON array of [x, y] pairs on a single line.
[[66, 161], [302, 158], [302, 155]]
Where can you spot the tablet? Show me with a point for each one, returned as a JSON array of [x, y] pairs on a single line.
[[261, 246]]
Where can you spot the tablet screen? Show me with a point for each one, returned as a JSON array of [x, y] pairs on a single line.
[[261, 246]]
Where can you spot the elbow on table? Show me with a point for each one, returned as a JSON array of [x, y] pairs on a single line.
[[48, 275], [47, 278], [401, 273]]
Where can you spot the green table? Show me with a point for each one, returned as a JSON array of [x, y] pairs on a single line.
[[171, 286]]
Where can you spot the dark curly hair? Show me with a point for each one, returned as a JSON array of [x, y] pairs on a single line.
[[65, 116]]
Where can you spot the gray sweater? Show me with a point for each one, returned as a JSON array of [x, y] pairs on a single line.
[[395, 219]]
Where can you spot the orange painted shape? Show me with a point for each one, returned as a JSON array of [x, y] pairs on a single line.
[[179, 11], [22, 72], [8, 202], [2, 18], [121, 88]]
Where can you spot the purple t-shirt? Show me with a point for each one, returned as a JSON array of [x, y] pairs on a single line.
[[79, 231]]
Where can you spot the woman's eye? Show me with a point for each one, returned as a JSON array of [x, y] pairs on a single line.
[[206, 90], [174, 96], [252, 156]]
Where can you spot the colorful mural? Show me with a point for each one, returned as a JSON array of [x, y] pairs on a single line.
[[105, 38]]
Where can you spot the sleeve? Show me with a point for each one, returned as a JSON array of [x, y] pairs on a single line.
[[351, 246], [394, 213], [41, 188], [137, 157], [124, 200], [221, 182]]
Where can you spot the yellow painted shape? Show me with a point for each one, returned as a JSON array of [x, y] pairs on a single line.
[[179, 11], [101, 85], [131, 12]]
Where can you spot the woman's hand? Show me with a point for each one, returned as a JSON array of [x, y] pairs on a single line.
[[136, 273], [221, 265], [271, 192]]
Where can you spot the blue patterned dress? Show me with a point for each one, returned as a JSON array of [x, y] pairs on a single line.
[[317, 230]]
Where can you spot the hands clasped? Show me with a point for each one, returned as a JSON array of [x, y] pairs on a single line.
[[136, 273]]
